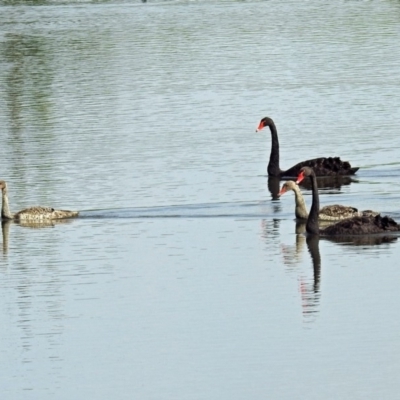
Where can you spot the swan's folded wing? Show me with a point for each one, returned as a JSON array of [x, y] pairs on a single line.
[[323, 166], [338, 212], [39, 213]]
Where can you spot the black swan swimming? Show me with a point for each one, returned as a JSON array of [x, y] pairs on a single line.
[[363, 225], [323, 166], [334, 212], [32, 214]]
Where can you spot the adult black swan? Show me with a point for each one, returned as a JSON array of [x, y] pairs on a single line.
[[323, 166], [363, 225]]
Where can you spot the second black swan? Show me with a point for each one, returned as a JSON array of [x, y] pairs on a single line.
[[323, 166], [363, 225]]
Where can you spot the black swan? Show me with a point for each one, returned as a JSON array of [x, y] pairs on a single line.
[[363, 225], [36, 214], [335, 212], [324, 166]]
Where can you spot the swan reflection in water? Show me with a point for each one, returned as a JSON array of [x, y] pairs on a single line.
[[310, 290], [329, 184], [5, 230], [6, 224]]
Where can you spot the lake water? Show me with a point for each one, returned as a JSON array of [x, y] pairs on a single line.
[[183, 279]]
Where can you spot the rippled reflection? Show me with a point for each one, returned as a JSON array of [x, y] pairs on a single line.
[[274, 186], [362, 240], [270, 229], [5, 230], [310, 289], [28, 81], [329, 185], [6, 224], [312, 292]]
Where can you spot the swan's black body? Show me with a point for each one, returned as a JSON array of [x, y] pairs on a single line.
[[323, 166], [353, 226]]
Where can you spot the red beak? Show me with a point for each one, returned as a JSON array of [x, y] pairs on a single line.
[[260, 126], [300, 177], [282, 191]]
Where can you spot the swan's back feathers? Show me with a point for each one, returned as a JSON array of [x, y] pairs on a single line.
[[323, 166], [337, 212], [362, 225], [43, 213]]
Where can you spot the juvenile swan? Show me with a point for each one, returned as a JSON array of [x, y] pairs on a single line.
[[36, 214], [333, 212]]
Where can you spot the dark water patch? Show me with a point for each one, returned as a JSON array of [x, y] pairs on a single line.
[[363, 240]]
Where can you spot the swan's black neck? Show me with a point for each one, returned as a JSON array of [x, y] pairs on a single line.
[[312, 221], [273, 165]]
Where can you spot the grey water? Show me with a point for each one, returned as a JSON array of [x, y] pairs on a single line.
[[183, 278]]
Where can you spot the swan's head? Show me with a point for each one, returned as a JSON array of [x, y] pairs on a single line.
[[289, 185], [263, 123], [3, 185], [304, 172]]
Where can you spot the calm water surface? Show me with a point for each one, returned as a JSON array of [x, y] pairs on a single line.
[[182, 279]]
